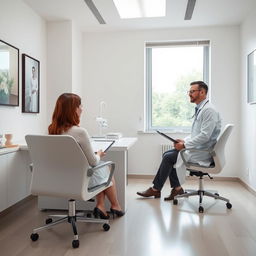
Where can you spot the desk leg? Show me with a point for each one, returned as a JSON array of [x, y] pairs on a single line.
[[120, 174]]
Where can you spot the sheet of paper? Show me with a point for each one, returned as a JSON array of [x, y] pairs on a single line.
[[103, 145]]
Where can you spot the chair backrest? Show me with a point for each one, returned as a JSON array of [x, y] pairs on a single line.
[[218, 154], [219, 149], [59, 167]]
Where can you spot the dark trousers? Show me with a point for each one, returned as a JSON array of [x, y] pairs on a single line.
[[166, 170]]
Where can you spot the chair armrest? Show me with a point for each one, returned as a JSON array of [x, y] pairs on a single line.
[[108, 163], [187, 164]]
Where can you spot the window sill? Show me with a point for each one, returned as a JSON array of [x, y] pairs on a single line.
[[167, 132]]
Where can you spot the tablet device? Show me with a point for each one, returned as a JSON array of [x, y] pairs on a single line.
[[103, 145], [112, 142], [166, 136]]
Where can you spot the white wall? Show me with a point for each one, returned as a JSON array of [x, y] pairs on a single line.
[[59, 62], [248, 112], [23, 28], [77, 50], [114, 72], [64, 60], [57, 43]]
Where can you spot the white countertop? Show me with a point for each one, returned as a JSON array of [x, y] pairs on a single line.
[[123, 144], [120, 145], [4, 151]]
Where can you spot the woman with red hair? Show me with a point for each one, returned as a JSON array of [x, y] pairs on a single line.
[[65, 120]]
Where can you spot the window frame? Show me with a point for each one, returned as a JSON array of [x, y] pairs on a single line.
[[148, 79]]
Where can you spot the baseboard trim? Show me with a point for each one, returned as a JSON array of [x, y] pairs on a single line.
[[215, 178], [249, 188], [137, 176], [15, 206], [149, 176], [234, 179], [140, 176]]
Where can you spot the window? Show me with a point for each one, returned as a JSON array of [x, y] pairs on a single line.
[[170, 68]]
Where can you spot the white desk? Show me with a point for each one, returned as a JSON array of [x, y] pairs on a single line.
[[118, 153]]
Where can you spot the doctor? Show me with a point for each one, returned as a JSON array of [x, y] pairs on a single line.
[[205, 130]]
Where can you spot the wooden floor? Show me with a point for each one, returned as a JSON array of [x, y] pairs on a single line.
[[151, 227]]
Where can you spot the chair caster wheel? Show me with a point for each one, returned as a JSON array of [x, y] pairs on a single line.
[[48, 221], [201, 209], [175, 201], [34, 237], [88, 215], [106, 227], [229, 205], [75, 243]]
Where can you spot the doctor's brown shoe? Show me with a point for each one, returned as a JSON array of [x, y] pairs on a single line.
[[150, 192], [174, 193]]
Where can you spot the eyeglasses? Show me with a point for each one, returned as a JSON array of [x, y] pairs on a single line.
[[192, 91]]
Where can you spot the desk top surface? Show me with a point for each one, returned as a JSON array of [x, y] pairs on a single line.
[[4, 151], [123, 144], [120, 145]]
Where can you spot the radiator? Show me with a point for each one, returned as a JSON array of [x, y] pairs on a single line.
[[165, 147]]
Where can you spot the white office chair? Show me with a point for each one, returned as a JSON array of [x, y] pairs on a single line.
[[218, 155], [60, 169]]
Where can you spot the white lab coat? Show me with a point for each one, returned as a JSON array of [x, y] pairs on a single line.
[[205, 130]]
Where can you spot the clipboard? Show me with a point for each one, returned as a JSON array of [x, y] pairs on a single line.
[[166, 136], [103, 145]]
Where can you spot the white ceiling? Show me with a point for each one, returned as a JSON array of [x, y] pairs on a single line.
[[206, 13]]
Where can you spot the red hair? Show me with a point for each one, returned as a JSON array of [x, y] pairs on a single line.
[[65, 115]]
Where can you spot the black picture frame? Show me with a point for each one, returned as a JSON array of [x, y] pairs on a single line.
[[30, 84], [251, 77], [9, 74]]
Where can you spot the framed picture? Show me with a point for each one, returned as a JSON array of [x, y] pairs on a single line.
[[251, 77], [30, 84], [9, 74]]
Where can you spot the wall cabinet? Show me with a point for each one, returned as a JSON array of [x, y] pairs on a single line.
[[15, 177]]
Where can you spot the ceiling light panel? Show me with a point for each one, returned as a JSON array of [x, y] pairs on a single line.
[[129, 9]]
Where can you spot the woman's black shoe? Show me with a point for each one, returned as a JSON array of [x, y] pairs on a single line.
[[99, 214], [117, 213]]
